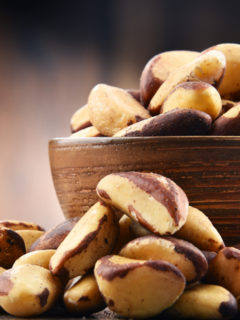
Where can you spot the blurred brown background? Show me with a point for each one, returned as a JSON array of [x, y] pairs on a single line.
[[53, 52]]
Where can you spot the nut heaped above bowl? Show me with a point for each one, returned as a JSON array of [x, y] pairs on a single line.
[[206, 167]]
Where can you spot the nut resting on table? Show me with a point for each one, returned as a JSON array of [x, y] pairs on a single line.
[[141, 250], [180, 93]]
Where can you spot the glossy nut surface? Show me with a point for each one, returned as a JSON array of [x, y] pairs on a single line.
[[154, 201], [127, 285]]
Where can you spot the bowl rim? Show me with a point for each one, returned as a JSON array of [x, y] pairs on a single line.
[[121, 140]]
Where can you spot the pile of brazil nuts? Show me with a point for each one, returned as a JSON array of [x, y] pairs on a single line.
[[141, 250], [180, 93]]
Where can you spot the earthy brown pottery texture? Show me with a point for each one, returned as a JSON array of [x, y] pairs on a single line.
[[206, 167]]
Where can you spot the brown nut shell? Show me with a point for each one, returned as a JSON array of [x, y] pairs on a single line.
[[224, 270], [20, 225], [229, 123], [204, 301], [178, 122], [93, 236], [11, 247], [112, 109], [185, 256], [84, 297], [154, 201], [28, 290], [158, 69], [53, 237], [127, 285]]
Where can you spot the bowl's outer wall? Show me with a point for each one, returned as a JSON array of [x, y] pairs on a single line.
[[207, 168]]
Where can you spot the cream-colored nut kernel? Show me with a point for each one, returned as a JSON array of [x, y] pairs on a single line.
[[196, 95], [158, 69], [29, 237], [154, 201], [125, 233], [2, 270], [177, 122], [228, 123], [230, 85], [185, 256], [93, 236], [11, 247], [39, 257], [224, 270], [52, 238], [28, 290], [84, 296], [205, 301], [138, 230], [80, 119], [135, 93], [208, 67], [20, 225], [200, 231], [112, 109], [87, 133], [227, 105], [136, 288]]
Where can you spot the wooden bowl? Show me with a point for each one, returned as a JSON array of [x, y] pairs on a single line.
[[206, 167]]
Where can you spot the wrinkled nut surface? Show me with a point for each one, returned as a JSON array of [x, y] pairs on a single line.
[[52, 238], [11, 247], [199, 230], [29, 237], [228, 123], [84, 296], [80, 119], [28, 290], [224, 270], [208, 67], [39, 257], [20, 225], [154, 201], [186, 257], [87, 132], [230, 85], [93, 236], [205, 301], [175, 122], [112, 109], [158, 69], [136, 288], [196, 95]]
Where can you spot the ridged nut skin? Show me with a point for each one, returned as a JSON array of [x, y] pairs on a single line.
[[125, 233], [52, 238], [28, 290], [29, 237], [197, 95], [177, 122], [39, 257], [229, 123], [205, 301], [11, 247], [154, 201], [158, 69], [84, 297], [20, 225], [224, 270], [199, 230], [230, 85], [208, 67], [112, 109], [86, 133], [80, 119], [137, 288], [182, 254], [93, 236]]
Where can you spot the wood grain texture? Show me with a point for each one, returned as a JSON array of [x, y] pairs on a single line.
[[207, 168]]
